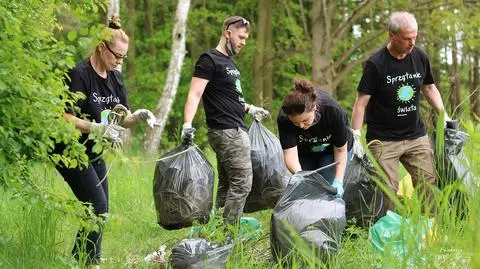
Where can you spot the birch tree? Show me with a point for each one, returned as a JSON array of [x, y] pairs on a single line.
[[113, 8], [164, 105]]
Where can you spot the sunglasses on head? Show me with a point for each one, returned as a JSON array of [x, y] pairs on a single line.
[[117, 55], [244, 23]]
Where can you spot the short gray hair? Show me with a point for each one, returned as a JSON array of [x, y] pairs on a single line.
[[402, 20]]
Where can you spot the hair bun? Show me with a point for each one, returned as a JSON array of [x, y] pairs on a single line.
[[114, 22], [303, 86]]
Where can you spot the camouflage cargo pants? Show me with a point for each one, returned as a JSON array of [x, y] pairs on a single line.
[[232, 147]]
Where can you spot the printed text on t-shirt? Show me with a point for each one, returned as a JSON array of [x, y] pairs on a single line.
[[302, 139], [402, 78], [232, 72], [106, 100]]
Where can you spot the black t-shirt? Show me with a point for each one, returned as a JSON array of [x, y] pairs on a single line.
[[100, 94], [223, 98], [330, 130], [392, 113]]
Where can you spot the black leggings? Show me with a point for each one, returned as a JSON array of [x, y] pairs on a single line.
[[83, 183]]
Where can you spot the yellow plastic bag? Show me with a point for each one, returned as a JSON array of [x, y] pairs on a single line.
[[405, 187]]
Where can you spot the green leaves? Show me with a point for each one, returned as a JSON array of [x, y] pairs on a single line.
[[35, 56], [72, 35]]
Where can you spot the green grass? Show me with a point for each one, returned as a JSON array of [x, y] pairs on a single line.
[[39, 234]]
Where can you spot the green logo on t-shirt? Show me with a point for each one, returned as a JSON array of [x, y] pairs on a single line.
[[238, 87], [405, 93], [320, 148]]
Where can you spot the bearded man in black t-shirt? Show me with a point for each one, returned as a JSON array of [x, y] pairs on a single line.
[[216, 80], [389, 91]]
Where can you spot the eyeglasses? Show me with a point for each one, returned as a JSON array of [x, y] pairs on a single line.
[[117, 55], [244, 23]]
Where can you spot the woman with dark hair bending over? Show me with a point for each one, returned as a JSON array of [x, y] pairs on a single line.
[[104, 89], [314, 132]]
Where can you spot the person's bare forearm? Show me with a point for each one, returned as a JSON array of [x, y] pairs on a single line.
[[82, 125], [358, 112], [291, 160], [340, 156], [130, 121], [197, 86], [190, 109], [357, 118], [433, 97]]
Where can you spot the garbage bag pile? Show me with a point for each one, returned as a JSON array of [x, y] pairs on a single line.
[[363, 198], [183, 187], [308, 211], [199, 253], [270, 175]]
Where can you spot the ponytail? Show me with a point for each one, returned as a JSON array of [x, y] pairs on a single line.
[[112, 32]]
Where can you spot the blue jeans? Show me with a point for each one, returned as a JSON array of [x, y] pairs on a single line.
[[313, 162]]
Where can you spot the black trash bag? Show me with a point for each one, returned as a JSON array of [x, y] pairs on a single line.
[[199, 253], [455, 163], [309, 208], [363, 198], [183, 187], [270, 175]]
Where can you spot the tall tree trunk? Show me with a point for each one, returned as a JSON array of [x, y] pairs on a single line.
[[259, 53], [263, 72], [150, 32], [322, 75], [164, 105], [268, 59], [131, 33], [475, 90], [455, 77]]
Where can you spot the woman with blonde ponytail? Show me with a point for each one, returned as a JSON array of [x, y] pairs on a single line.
[[97, 78]]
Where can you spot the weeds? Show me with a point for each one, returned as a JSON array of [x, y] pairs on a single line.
[[36, 234]]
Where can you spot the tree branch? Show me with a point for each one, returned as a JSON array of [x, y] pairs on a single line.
[[345, 56], [290, 18], [345, 25], [304, 18], [352, 65], [328, 26]]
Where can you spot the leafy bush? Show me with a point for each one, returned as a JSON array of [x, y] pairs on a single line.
[[33, 96]]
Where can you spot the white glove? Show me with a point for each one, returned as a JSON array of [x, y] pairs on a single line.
[[188, 134], [257, 113], [357, 149], [112, 132], [145, 115]]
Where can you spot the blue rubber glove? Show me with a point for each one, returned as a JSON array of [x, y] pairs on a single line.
[[338, 185]]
